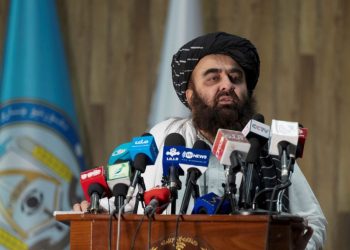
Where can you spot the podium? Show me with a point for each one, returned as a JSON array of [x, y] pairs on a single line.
[[89, 231]]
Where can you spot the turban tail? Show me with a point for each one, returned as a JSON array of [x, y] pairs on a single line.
[[186, 59]]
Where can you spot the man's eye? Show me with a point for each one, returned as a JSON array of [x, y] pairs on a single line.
[[235, 79], [213, 78]]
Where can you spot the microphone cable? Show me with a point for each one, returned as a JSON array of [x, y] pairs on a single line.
[[149, 234], [276, 188], [150, 216], [265, 190], [110, 229], [136, 232], [110, 226], [177, 228], [118, 227], [119, 224]]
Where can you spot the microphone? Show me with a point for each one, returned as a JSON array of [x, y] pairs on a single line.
[[143, 151], [93, 183], [257, 134], [230, 148], [119, 191], [301, 142], [120, 153], [282, 132], [228, 141], [208, 203], [284, 137], [174, 145], [118, 180], [195, 163], [156, 200], [120, 172]]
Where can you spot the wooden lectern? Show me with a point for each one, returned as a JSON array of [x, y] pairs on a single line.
[[89, 231]]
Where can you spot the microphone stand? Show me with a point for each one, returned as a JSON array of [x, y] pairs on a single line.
[[248, 185], [174, 185], [229, 190], [287, 165], [191, 186], [139, 196]]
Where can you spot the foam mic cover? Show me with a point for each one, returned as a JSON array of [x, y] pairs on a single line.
[[155, 198], [119, 191], [174, 139], [96, 188], [199, 144]]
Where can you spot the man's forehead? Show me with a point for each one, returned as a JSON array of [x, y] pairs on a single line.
[[216, 61]]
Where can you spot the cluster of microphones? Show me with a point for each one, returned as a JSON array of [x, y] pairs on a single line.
[[237, 151]]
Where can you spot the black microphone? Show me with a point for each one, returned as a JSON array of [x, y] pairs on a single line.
[[194, 172], [257, 133], [172, 144], [119, 191]]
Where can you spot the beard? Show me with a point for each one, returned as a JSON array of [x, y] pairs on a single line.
[[231, 116]]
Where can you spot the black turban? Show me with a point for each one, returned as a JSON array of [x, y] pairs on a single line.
[[240, 49]]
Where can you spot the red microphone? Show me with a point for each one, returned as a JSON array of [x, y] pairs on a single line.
[[95, 187], [301, 142], [156, 199], [228, 141]]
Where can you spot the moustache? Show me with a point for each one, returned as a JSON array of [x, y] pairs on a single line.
[[231, 93]]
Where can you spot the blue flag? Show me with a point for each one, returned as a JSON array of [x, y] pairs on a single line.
[[40, 152]]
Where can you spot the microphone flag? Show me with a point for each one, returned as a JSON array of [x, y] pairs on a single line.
[[41, 155]]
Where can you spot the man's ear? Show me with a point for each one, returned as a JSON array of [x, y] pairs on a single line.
[[189, 93]]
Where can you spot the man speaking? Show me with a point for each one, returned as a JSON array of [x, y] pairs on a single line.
[[214, 76]]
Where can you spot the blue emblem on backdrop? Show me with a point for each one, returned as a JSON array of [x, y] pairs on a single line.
[[40, 152]]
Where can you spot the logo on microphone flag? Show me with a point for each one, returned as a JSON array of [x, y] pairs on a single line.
[[40, 152]]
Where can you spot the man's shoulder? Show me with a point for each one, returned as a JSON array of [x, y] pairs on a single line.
[[173, 125]]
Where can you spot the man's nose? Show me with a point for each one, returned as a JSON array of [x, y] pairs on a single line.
[[226, 83]]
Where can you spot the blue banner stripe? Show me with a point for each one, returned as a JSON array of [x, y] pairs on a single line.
[[46, 116]]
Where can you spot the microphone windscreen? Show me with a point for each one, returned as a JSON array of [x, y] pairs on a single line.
[[259, 117], [96, 188], [120, 189], [174, 139], [140, 162], [162, 194], [199, 144]]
